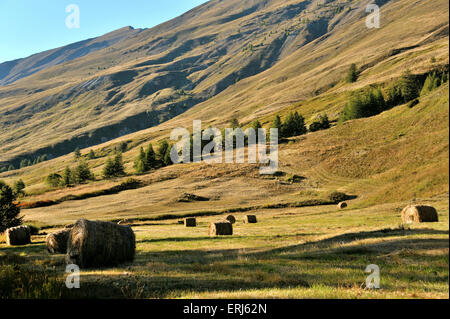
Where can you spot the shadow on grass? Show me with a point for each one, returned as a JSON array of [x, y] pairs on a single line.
[[162, 274], [220, 238], [350, 237]]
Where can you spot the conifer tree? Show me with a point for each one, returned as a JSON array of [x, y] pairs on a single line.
[[352, 74], [150, 157], [67, 177], [9, 212]]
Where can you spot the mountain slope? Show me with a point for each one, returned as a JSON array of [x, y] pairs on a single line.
[[161, 72], [15, 70], [223, 59]]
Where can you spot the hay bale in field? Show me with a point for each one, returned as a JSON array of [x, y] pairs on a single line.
[[16, 236], [96, 244], [342, 205], [57, 242], [190, 222], [223, 228], [419, 214], [231, 219], [250, 219]]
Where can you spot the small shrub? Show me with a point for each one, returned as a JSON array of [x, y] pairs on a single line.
[[352, 74], [53, 180], [294, 178], [338, 197], [18, 188], [321, 123]]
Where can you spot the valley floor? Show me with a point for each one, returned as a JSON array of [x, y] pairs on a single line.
[[309, 252]]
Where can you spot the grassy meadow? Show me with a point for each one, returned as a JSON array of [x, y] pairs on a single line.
[[303, 246], [311, 252]]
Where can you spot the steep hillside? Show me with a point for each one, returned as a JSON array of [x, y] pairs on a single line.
[[15, 70], [395, 157], [251, 56], [355, 156]]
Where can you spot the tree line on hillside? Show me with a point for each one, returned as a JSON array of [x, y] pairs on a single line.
[[114, 166], [25, 163], [149, 159], [407, 89]]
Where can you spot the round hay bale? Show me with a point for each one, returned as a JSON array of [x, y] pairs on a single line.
[[342, 205], [181, 222], [419, 214], [250, 219], [190, 222], [17, 236], [97, 244], [57, 242], [223, 228], [231, 219]]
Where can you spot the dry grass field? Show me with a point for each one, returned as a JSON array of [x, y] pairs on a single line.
[[314, 252], [303, 246]]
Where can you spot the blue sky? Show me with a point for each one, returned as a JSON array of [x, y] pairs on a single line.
[[30, 26]]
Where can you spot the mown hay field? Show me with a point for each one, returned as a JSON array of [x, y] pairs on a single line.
[[309, 252]]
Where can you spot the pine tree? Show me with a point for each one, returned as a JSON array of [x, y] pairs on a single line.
[[139, 167], [9, 212], [119, 169], [67, 177], [167, 159], [18, 188], [294, 125], [139, 164], [256, 125], [299, 122], [409, 87], [108, 170], [235, 123], [82, 173], [276, 124], [432, 82], [23, 163], [163, 146], [379, 101], [150, 157], [53, 180], [354, 109], [394, 96], [77, 154], [352, 74], [288, 125]]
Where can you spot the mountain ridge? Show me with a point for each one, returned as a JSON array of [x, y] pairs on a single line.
[[14, 70]]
